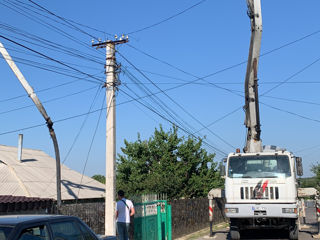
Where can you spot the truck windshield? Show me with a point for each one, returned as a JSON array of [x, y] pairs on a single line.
[[267, 166], [4, 232]]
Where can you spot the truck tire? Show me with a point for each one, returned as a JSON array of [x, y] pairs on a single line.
[[294, 233], [234, 235]]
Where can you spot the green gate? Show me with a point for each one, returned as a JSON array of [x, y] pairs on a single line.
[[152, 221]]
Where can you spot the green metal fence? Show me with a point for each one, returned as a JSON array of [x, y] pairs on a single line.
[[152, 221]]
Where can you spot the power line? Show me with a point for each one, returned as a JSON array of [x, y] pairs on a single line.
[[57, 72], [167, 19], [291, 43], [291, 113], [292, 76], [74, 116], [219, 119], [179, 105], [196, 77], [177, 122], [41, 90], [230, 67], [47, 25], [63, 19], [50, 100], [69, 21], [205, 83], [37, 56], [82, 125], [48, 44], [50, 58], [91, 144], [137, 100], [174, 124], [163, 106], [308, 148], [79, 132], [43, 66], [293, 100]]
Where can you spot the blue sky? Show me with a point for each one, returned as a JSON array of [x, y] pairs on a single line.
[[206, 39]]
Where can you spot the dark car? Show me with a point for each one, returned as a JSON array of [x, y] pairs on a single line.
[[45, 227]]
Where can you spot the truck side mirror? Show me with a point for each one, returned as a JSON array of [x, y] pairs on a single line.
[[299, 166]]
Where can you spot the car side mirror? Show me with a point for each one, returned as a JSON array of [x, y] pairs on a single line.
[[299, 166]]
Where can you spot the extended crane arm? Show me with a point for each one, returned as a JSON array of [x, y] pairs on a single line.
[[252, 120]]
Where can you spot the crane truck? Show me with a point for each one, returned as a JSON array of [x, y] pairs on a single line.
[[260, 182]]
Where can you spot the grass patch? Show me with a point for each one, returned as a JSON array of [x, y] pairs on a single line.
[[204, 232]]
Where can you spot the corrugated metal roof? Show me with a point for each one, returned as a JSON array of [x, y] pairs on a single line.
[[35, 176], [17, 199]]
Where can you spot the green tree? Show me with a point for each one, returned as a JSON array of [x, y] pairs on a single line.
[[308, 182], [99, 178], [316, 170], [167, 163]]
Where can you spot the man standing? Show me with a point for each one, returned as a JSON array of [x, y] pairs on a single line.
[[124, 211]]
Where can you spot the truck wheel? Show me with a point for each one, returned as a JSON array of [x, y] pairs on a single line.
[[234, 234], [294, 233]]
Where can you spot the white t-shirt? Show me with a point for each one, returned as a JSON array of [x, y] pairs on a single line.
[[123, 211]]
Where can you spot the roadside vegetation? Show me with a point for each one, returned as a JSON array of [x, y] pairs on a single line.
[[166, 164]]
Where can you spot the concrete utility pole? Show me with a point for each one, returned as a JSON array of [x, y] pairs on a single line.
[[43, 112], [111, 87]]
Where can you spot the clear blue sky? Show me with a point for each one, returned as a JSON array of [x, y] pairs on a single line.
[[210, 37]]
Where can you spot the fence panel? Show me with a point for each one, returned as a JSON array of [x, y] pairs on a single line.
[[91, 213], [190, 215]]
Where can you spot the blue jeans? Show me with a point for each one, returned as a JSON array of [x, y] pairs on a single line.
[[123, 230]]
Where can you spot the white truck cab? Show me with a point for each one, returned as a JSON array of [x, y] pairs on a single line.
[[261, 191]]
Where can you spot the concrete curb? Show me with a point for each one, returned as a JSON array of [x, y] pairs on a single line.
[[203, 232]]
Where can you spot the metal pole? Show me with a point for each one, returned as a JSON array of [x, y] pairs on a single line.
[[318, 213], [303, 211], [211, 207], [110, 228], [20, 143], [43, 112]]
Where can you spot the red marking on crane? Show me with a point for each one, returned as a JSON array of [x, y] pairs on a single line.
[[265, 184], [318, 210]]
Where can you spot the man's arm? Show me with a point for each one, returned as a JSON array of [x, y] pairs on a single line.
[[132, 211], [117, 212]]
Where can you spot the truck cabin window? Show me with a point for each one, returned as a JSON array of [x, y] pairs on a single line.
[[259, 167]]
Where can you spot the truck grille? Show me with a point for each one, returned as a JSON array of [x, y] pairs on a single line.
[[259, 193]]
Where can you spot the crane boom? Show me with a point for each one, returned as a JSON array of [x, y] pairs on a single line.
[[252, 119], [260, 184]]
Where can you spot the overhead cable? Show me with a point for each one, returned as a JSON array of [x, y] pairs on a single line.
[[175, 102], [167, 19], [50, 58]]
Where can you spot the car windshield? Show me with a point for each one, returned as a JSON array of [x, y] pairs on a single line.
[[4, 232], [266, 166]]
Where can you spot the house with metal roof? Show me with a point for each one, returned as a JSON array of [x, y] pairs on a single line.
[[35, 176]]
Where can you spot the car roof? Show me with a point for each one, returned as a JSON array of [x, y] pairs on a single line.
[[16, 219]]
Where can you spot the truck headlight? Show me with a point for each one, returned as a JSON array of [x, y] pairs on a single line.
[[231, 210], [289, 210]]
